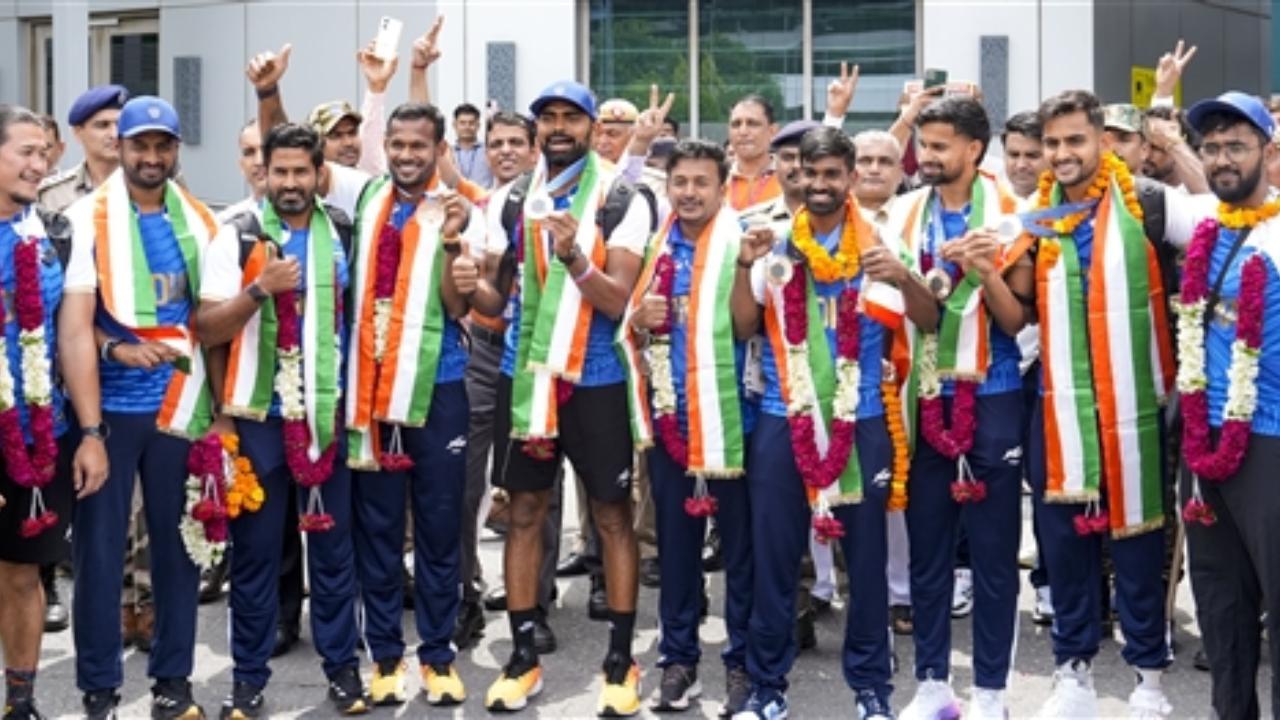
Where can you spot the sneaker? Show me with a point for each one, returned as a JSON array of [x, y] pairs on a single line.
[[387, 686], [442, 684], [100, 705], [737, 690], [171, 700], [544, 640], [679, 687], [346, 692], [56, 617], [763, 705], [1201, 660], [934, 700], [1042, 613], [871, 707], [470, 625], [1148, 701], [620, 696], [987, 704], [24, 709], [520, 680], [1073, 694], [900, 619], [245, 703], [962, 594]]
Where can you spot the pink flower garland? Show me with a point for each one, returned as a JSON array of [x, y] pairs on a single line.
[[1218, 465], [956, 441], [387, 267], [34, 470], [205, 461], [297, 435]]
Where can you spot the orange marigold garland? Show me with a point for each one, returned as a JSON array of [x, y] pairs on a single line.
[[245, 492], [1235, 218], [897, 434], [1111, 167], [825, 268]]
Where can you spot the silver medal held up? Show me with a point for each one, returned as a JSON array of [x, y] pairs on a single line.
[[539, 205]]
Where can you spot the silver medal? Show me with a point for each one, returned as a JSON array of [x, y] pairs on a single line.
[[430, 211], [939, 283], [778, 269], [1009, 229], [539, 205]]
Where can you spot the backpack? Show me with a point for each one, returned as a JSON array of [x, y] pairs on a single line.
[[250, 232], [58, 229]]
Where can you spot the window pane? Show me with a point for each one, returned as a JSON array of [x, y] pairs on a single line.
[[752, 46], [878, 35], [635, 43], [135, 62]]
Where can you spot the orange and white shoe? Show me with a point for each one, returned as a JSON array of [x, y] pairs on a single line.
[[442, 685], [512, 690], [620, 696], [387, 686]]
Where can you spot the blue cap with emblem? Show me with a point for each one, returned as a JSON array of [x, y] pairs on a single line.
[[1242, 105], [95, 99], [566, 91], [147, 113]]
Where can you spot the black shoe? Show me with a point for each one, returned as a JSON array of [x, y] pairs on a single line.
[[870, 705], [806, 631], [246, 703], [821, 606], [737, 690], [650, 573], [678, 689], [496, 599], [574, 564], [56, 617], [171, 700], [24, 709], [346, 692], [470, 625], [900, 620], [705, 606], [598, 601], [544, 641], [1201, 661], [712, 559], [286, 638], [213, 582], [100, 705]]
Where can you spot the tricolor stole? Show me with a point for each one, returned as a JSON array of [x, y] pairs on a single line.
[[129, 296], [399, 391], [1108, 366], [847, 490], [716, 445], [251, 367], [554, 316]]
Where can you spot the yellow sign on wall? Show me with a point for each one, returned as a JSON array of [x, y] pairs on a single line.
[[1142, 87]]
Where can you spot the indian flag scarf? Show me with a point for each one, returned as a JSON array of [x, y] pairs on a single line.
[[398, 388], [714, 415], [847, 489], [129, 296], [554, 317], [251, 367], [1108, 365]]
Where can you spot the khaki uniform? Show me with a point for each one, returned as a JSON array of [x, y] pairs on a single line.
[[58, 192]]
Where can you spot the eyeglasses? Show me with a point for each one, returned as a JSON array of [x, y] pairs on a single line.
[[1234, 151]]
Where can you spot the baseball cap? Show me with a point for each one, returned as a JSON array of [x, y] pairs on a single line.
[[568, 91], [792, 132], [95, 99], [618, 110], [326, 116], [1123, 117], [147, 113], [1242, 105]]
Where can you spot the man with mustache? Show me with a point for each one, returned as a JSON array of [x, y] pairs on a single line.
[[93, 121], [276, 268], [568, 397], [1023, 152], [145, 234], [752, 179], [948, 232], [879, 167]]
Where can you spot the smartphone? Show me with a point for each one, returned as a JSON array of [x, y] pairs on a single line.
[[387, 42], [933, 77]]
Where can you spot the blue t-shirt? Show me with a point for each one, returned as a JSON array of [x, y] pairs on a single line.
[[1218, 339], [682, 253], [870, 351], [1003, 373], [453, 355], [51, 295], [297, 246], [136, 390], [601, 365]]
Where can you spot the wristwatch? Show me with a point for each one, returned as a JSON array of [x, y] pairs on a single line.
[[105, 353], [451, 244], [99, 431], [571, 258], [256, 292]]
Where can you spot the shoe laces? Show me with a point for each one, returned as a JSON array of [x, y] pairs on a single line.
[[244, 695], [870, 704], [171, 693], [346, 683]]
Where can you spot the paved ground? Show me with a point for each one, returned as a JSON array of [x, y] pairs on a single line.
[[298, 690]]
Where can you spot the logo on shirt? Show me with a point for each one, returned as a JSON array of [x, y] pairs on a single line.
[[170, 287]]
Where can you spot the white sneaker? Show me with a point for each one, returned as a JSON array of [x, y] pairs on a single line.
[[987, 704], [1042, 613], [1148, 701], [1073, 694], [934, 700], [962, 594]]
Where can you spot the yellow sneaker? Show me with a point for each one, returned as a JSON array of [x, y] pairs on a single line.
[[387, 686], [509, 693], [442, 685], [622, 698]]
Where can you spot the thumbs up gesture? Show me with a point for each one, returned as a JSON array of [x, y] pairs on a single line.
[[653, 310], [280, 273], [266, 68]]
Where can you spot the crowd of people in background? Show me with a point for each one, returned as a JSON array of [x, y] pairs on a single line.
[[817, 362]]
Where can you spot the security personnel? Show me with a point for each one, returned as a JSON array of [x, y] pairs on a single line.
[[93, 120]]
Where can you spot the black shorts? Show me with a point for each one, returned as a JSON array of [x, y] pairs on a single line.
[[595, 434], [50, 546]]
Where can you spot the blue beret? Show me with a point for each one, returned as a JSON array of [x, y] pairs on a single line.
[[792, 132], [95, 99]]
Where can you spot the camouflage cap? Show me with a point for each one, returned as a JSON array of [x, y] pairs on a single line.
[[1123, 117], [326, 116]]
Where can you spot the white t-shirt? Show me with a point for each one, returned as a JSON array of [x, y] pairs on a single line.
[[345, 185]]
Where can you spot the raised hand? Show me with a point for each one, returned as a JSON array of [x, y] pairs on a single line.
[[840, 91], [653, 310], [456, 211], [1169, 69], [377, 71], [426, 49], [266, 68], [649, 122], [756, 243], [466, 274]]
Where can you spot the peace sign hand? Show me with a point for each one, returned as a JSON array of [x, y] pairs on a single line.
[[649, 122], [840, 91], [1169, 69]]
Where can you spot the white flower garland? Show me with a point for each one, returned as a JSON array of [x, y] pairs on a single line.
[[7, 398], [930, 381], [202, 551], [1191, 370], [381, 326], [661, 378], [289, 385], [37, 387], [803, 395], [1242, 385]]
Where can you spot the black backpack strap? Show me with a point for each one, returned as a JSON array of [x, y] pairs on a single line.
[[58, 229], [343, 225], [1151, 198], [248, 231], [514, 205]]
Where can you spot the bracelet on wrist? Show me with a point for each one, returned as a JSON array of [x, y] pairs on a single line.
[[264, 93], [585, 274], [743, 264]]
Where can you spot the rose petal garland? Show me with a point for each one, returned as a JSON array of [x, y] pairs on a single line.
[[297, 434], [954, 442], [390, 244], [204, 519], [35, 469]]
